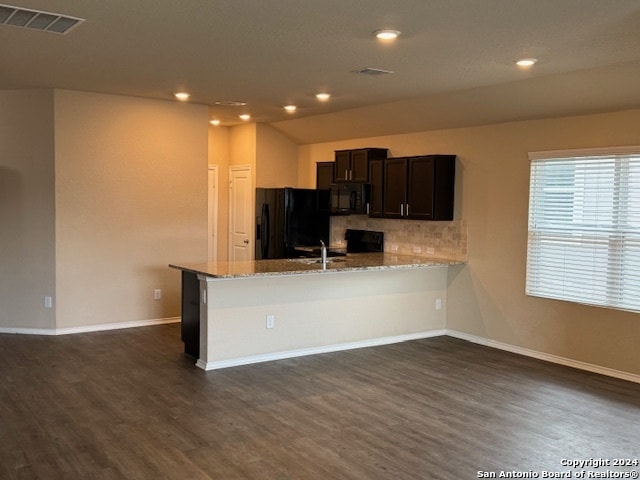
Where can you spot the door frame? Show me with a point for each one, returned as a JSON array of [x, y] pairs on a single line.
[[249, 169], [212, 210]]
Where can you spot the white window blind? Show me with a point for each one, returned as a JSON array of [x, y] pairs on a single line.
[[584, 228]]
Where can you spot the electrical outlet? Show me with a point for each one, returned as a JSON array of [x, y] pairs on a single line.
[[393, 247], [438, 304], [271, 321], [417, 249], [430, 250], [157, 294], [48, 302]]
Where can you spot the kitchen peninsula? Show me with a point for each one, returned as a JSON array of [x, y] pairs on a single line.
[[235, 313]]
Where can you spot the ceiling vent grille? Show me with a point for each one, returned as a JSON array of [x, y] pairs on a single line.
[[372, 71], [37, 20]]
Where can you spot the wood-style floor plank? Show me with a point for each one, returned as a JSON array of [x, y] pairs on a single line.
[[129, 404]]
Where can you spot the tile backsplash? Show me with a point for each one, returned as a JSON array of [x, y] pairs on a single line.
[[408, 237]]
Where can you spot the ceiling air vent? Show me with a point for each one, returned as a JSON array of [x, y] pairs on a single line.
[[230, 103], [37, 20], [372, 71]]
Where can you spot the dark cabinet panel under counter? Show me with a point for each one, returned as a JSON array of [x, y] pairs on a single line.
[[190, 326]]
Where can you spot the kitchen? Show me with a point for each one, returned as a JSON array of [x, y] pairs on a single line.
[[92, 224], [100, 257], [383, 299], [138, 205], [100, 190]]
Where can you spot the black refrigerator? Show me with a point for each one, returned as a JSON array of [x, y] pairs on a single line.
[[287, 219]]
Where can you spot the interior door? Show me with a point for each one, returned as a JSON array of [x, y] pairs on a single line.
[[241, 219]]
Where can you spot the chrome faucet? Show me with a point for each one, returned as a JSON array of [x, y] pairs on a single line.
[[323, 253]]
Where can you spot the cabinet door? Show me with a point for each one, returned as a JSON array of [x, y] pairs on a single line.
[[395, 187], [324, 175], [359, 166], [444, 186], [376, 178], [420, 183], [342, 166]]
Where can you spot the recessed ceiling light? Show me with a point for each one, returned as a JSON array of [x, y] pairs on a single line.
[[323, 97], [386, 34], [290, 108], [526, 62], [215, 122], [245, 117], [182, 96]]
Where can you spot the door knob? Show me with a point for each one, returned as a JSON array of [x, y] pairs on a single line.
[[246, 242]]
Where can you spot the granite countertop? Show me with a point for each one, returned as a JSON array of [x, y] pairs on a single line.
[[300, 266]]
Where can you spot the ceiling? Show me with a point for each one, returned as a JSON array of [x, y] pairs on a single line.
[[453, 63]]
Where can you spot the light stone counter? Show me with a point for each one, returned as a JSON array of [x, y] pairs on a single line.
[[303, 266]]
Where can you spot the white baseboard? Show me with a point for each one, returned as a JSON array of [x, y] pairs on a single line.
[[90, 328], [589, 367], [268, 357]]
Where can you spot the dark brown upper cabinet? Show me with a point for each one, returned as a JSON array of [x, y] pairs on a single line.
[[353, 165], [394, 191], [418, 188], [324, 175]]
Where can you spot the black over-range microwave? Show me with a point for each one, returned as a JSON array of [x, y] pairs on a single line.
[[349, 198]]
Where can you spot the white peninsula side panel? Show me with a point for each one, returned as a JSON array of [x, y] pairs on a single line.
[[316, 313]]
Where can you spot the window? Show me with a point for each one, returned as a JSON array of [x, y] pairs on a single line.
[[584, 227]]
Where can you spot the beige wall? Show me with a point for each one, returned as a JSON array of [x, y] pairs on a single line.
[[27, 232], [486, 296], [243, 145], [276, 159], [131, 197]]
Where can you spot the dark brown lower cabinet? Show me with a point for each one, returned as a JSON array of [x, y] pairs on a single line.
[[190, 327]]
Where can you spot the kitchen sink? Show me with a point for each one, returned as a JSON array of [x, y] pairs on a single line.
[[313, 261]]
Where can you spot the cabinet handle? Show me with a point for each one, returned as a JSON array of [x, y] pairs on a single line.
[[407, 209], [402, 209], [368, 208]]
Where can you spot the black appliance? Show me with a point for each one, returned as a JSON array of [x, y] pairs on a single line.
[[349, 198], [288, 218], [363, 241]]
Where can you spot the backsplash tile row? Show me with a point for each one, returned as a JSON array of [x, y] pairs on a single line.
[[408, 237]]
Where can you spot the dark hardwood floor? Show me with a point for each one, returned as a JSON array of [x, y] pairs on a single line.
[[128, 404]]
